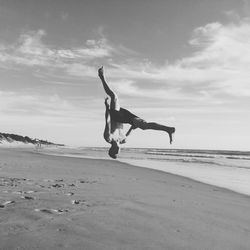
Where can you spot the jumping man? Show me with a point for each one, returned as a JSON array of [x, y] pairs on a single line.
[[115, 116]]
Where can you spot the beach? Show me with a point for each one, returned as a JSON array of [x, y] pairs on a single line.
[[57, 202]]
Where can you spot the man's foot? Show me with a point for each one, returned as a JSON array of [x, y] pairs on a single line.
[[170, 133], [100, 72]]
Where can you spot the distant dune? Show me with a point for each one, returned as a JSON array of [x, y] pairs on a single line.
[[13, 139]]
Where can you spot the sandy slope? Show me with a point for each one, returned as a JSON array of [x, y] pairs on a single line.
[[69, 203]]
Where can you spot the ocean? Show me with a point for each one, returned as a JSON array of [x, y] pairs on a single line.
[[226, 169]]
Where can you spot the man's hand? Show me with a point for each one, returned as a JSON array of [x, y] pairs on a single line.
[[123, 141], [100, 72], [106, 102]]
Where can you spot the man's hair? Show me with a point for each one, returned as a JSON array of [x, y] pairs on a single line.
[[112, 155], [114, 150]]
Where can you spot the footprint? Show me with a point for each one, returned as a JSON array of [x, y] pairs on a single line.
[[77, 202], [44, 210], [58, 185], [27, 197], [3, 205], [69, 194], [48, 180], [87, 181], [60, 211], [8, 202], [59, 180], [17, 192], [51, 211], [29, 192]]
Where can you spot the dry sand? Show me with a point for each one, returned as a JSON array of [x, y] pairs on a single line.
[[49, 202]]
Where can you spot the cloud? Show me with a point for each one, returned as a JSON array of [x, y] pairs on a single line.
[[223, 56], [48, 109], [31, 51], [224, 46], [13, 103], [128, 87], [28, 51], [219, 67]]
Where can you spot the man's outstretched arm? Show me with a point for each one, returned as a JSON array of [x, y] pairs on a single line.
[[127, 134], [129, 131], [107, 129]]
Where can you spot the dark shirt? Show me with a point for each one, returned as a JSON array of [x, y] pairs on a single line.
[[122, 116]]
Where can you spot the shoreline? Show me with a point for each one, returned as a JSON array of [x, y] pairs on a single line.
[[202, 175], [94, 204], [195, 173]]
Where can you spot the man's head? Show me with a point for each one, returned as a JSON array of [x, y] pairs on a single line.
[[114, 150]]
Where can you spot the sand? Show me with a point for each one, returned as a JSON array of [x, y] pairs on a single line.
[[50, 202]]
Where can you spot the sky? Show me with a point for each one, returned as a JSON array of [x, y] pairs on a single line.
[[182, 63]]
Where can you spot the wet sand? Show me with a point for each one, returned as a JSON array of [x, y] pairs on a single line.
[[50, 202]]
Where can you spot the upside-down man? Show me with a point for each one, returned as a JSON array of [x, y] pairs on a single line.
[[115, 116]]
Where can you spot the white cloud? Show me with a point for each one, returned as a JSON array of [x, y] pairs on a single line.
[[53, 108], [219, 66], [30, 44], [96, 49], [17, 104], [31, 51], [128, 87]]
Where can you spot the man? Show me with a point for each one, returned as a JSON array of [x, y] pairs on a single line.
[[115, 117]]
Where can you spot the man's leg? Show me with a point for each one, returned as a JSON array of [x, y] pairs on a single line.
[[114, 98], [139, 123]]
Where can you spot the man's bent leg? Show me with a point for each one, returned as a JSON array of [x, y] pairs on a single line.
[[114, 98], [140, 123], [156, 126]]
